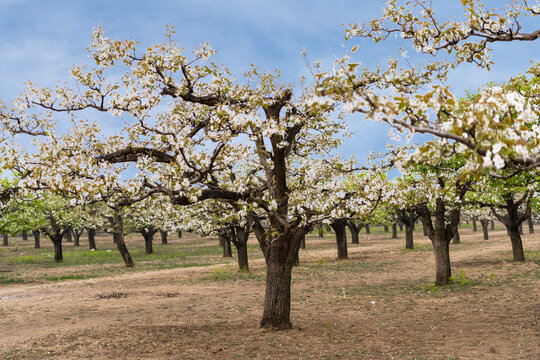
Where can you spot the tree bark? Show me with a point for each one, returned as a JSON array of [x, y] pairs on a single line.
[[354, 228], [400, 226], [58, 255], [409, 242], [91, 238], [485, 224], [443, 270], [240, 236], [77, 233], [163, 237], [24, 236], [386, 228], [119, 237], [179, 234], [37, 242], [341, 238], [492, 224], [226, 241], [531, 226], [148, 235], [321, 231], [368, 231], [520, 227], [303, 243], [456, 239], [69, 238], [277, 299], [474, 228], [5, 240], [394, 231], [517, 246]]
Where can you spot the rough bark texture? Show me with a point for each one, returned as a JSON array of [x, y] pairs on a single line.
[[485, 224], [277, 299], [409, 237], [58, 255], [517, 245], [91, 238], [163, 237], [341, 238], [354, 228], [37, 239]]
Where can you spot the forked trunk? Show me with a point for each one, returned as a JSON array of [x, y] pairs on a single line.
[[409, 241], [355, 230], [163, 237], [485, 224], [517, 245], [77, 233], [91, 238], [37, 242], [341, 239]]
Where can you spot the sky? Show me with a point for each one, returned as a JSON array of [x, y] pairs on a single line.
[[41, 39]]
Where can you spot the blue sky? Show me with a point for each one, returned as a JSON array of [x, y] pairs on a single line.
[[40, 39]]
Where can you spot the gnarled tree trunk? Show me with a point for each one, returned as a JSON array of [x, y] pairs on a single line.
[[354, 228], [239, 238], [148, 235], [118, 236]]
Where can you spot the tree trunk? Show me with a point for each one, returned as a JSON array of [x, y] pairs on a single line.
[[179, 234], [321, 231], [163, 237], [277, 299], [303, 243], [69, 238], [520, 229], [474, 228], [485, 224], [443, 270], [24, 236], [492, 224], [386, 228], [77, 237], [58, 256], [341, 238], [37, 242], [5, 239], [355, 230], [517, 245], [394, 231], [368, 231], [225, 239], [456, 239], [424, 229], [91, 238], [400, 226], [409, 242], [240, 239], [530, 223], [148, 236], [118, 236]]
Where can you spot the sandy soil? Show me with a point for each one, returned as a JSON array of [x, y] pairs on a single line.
[[377, 305]]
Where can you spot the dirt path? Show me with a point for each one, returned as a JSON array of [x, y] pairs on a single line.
[[372, 306]]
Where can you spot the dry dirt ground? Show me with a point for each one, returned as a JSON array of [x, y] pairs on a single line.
[[377, 305]]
